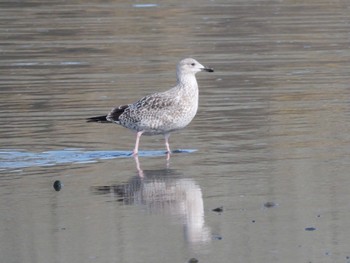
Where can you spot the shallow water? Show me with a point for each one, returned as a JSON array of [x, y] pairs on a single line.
[[270, 140]]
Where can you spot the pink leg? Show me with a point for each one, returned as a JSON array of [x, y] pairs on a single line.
[[136, 149], [166, 136]]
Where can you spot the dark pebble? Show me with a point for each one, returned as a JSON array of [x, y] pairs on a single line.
[[253, 221], [193, 260], [270, 204], [219, 209], [57, 185], [217, 237], [310, 229]]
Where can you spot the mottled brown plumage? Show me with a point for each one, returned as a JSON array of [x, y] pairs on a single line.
[[161, 112]]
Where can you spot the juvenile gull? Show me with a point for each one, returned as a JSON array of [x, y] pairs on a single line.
[[161, 112]]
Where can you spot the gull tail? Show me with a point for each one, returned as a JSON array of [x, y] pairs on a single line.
[[101, 119], [113, 116]]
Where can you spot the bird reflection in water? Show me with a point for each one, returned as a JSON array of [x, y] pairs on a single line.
[[164, 191]]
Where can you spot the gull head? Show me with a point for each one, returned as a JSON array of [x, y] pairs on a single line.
[[191, 66]]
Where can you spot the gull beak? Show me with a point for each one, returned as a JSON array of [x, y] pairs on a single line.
[[207, 69]]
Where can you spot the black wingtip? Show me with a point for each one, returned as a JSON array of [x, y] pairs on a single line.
[[101, 119], [116, 112]]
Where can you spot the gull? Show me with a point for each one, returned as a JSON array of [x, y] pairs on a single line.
[[163, 112]]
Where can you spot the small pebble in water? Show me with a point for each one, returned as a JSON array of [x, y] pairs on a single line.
[[270, 204], [57, 185], [193, 260], [217, 237], [310, 229], [219, 209]]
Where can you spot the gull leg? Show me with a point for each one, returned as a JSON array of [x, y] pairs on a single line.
[[136, 149], [168, 151], [166, 136]]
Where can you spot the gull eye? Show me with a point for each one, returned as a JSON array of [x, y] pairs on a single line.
[[193, 64]]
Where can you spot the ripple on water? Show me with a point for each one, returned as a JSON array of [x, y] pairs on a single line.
[[10, 159]]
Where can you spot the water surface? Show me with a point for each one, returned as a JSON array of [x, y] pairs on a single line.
[[271, 134]]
